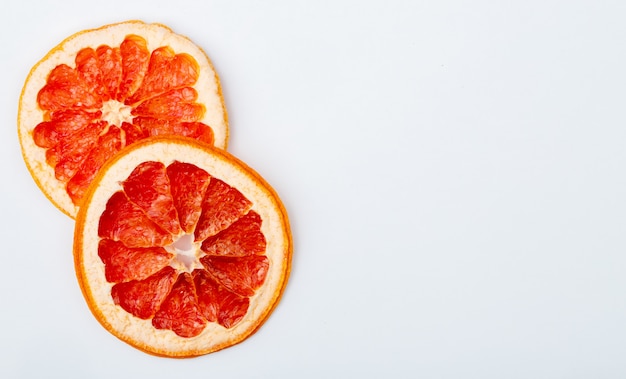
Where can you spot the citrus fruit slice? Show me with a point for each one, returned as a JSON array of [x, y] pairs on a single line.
[[180, 249], [103, 89]]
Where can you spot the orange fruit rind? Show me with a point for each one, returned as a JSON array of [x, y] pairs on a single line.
[[91, 271], [30, 113]]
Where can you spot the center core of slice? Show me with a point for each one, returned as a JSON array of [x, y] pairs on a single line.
[[187, 253], [115, 112]]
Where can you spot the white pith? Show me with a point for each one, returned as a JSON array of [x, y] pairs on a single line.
[[115, 112], [186, 252]]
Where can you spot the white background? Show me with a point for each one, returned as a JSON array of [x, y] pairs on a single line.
[[453, 171]]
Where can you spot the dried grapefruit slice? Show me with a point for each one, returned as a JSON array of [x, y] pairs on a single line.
[[103, 89], [181, 249]]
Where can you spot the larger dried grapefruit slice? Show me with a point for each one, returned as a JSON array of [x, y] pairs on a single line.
[[103, 89], [181, 249]]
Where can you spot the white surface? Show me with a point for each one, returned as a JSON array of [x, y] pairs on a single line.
[[453, 170]]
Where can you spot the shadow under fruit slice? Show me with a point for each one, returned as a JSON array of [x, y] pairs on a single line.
[[101, 90], [181, 249]]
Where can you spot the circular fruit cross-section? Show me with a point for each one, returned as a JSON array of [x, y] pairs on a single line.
[[181, 249], [103, 89]]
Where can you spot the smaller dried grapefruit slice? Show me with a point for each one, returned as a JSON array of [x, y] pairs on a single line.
[[103, 89], [181, 249]]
